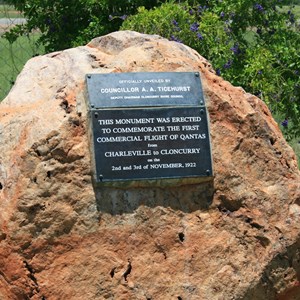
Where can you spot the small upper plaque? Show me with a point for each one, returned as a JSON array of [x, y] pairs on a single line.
[[144, 89]]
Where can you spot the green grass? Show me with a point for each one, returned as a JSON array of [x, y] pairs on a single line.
[[295, 144], [12, 59], [8, 11], [14, 56]]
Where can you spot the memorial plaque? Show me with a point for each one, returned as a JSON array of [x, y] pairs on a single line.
[[142, 141]]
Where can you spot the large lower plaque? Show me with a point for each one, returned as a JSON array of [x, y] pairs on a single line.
[[142, 142]]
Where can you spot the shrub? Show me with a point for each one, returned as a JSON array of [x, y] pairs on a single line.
[[251, 44]]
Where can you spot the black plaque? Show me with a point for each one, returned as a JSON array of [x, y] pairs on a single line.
[[143, 141]]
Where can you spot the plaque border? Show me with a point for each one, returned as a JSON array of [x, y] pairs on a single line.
[[141, 182]]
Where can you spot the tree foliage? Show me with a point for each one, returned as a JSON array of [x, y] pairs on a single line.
[[68, 23], [253, 44]]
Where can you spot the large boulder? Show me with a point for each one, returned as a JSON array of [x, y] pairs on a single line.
[[62, 239]]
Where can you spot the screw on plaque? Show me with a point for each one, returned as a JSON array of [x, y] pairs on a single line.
[[101, 177], [92, 105], [89, 76], [197, 74], [96, 115], [201, 111], [207, 172]]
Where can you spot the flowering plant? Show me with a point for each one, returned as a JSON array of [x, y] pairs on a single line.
[[251, 44]]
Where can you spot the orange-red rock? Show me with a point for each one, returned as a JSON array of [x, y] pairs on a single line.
[[61, 239]]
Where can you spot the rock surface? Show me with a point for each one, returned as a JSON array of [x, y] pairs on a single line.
[[61, 239]]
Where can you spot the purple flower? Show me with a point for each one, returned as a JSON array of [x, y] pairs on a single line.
[[259, 72], [110, 17], [199, 36], [194, 27], [191, 12], [175, 23], [222, 14], [285, 123], [218, 72], [228, 64], [235, 49], [201, 8], [175, 39], [292, 18], [123, 17], [258, 30], [258, 7]]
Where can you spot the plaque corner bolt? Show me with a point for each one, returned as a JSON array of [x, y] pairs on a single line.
[[207, 172], [92, 105], [89, 76], [197, 74], [101, 177]]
